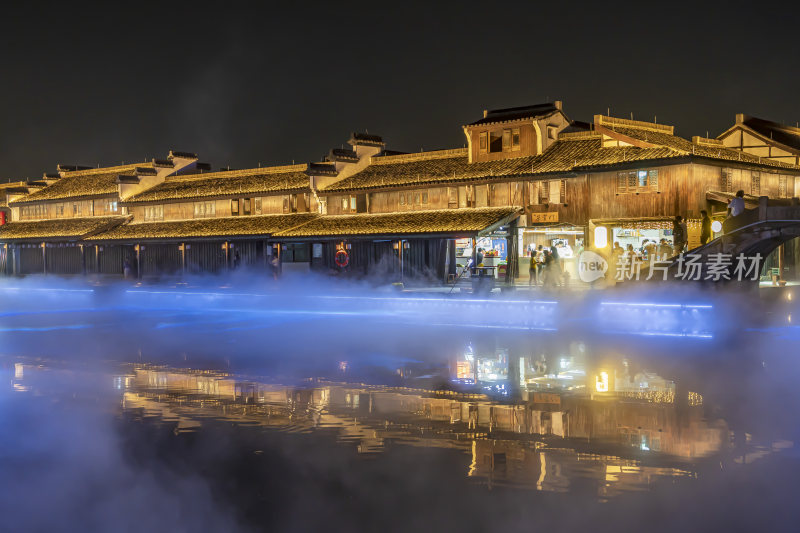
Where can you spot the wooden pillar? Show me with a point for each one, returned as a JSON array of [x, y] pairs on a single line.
[[182, 248], [97, 258], [762, 207], [83, 259]]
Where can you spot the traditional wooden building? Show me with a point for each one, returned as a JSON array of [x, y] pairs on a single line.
[[208, 222], [529, 176], [51, 219], [763, 138]]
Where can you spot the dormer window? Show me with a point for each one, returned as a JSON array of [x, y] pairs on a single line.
[[496, 141], [552, 132], [484, 142], [506, 140]]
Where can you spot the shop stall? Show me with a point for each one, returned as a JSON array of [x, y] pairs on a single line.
[[568, 240]]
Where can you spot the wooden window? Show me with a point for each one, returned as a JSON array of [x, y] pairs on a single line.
[[637, 181], [622, 182], [562, 192], [551, 132], [59, 210], [416, 198], [470, 195], [506, 140], [205, 209], [257, 203], [483, 142], [235, 207], [246, 204], [496, 141], [153, 212], [755, 183], [726, 180], [344, 204], [353, 204], [652, 179], [555, 191], [782, 187], [76, 209], [424, 198], [402, 198], [544, 192], [452, 197], [515, 139]]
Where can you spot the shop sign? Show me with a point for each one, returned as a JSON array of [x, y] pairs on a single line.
[[546, 397], [538, 218], [591, 266]]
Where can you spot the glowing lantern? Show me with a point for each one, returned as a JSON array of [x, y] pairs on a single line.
[[716, 226]]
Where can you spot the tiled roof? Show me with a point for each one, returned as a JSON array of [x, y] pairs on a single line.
[[226, 183], [357, 138], [780, 133], [414, 222], [577, 151], [81, 184], [9, 185], [68, 228], [206, 227], [517, 113], [662, 135]]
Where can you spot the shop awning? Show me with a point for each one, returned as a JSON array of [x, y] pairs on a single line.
[[449, 222], [59, 229], [242, 226]]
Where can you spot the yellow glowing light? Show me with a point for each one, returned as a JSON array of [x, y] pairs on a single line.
[[600, 237], [601, 382], [716, 226]]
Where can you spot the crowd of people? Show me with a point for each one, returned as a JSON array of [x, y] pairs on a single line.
[[546, 268]]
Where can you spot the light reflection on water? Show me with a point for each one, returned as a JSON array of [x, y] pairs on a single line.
[[620, 442], [598, 402]]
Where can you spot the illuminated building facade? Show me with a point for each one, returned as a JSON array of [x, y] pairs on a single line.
[[528, 176]]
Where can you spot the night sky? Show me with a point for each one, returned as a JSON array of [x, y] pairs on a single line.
[[290, 81]]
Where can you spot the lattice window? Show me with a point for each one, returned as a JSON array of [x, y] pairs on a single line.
[[563, 192], [544, 192], [755, 183], [782, 192], [637, 181], [726, 180]]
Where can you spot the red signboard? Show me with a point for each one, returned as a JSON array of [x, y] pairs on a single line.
[[2, 217]]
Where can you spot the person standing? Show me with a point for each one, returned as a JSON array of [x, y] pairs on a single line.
[[735, 210], [705, 227], [532, 270], [555, 266], [678, 234]]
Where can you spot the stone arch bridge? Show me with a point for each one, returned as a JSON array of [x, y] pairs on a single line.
[[740, 254]]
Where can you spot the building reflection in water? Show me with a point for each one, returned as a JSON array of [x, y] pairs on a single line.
[[608, 428]]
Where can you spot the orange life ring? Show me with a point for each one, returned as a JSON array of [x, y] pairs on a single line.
[[342, 259]]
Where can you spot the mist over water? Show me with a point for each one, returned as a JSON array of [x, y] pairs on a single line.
[[228, 404]]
